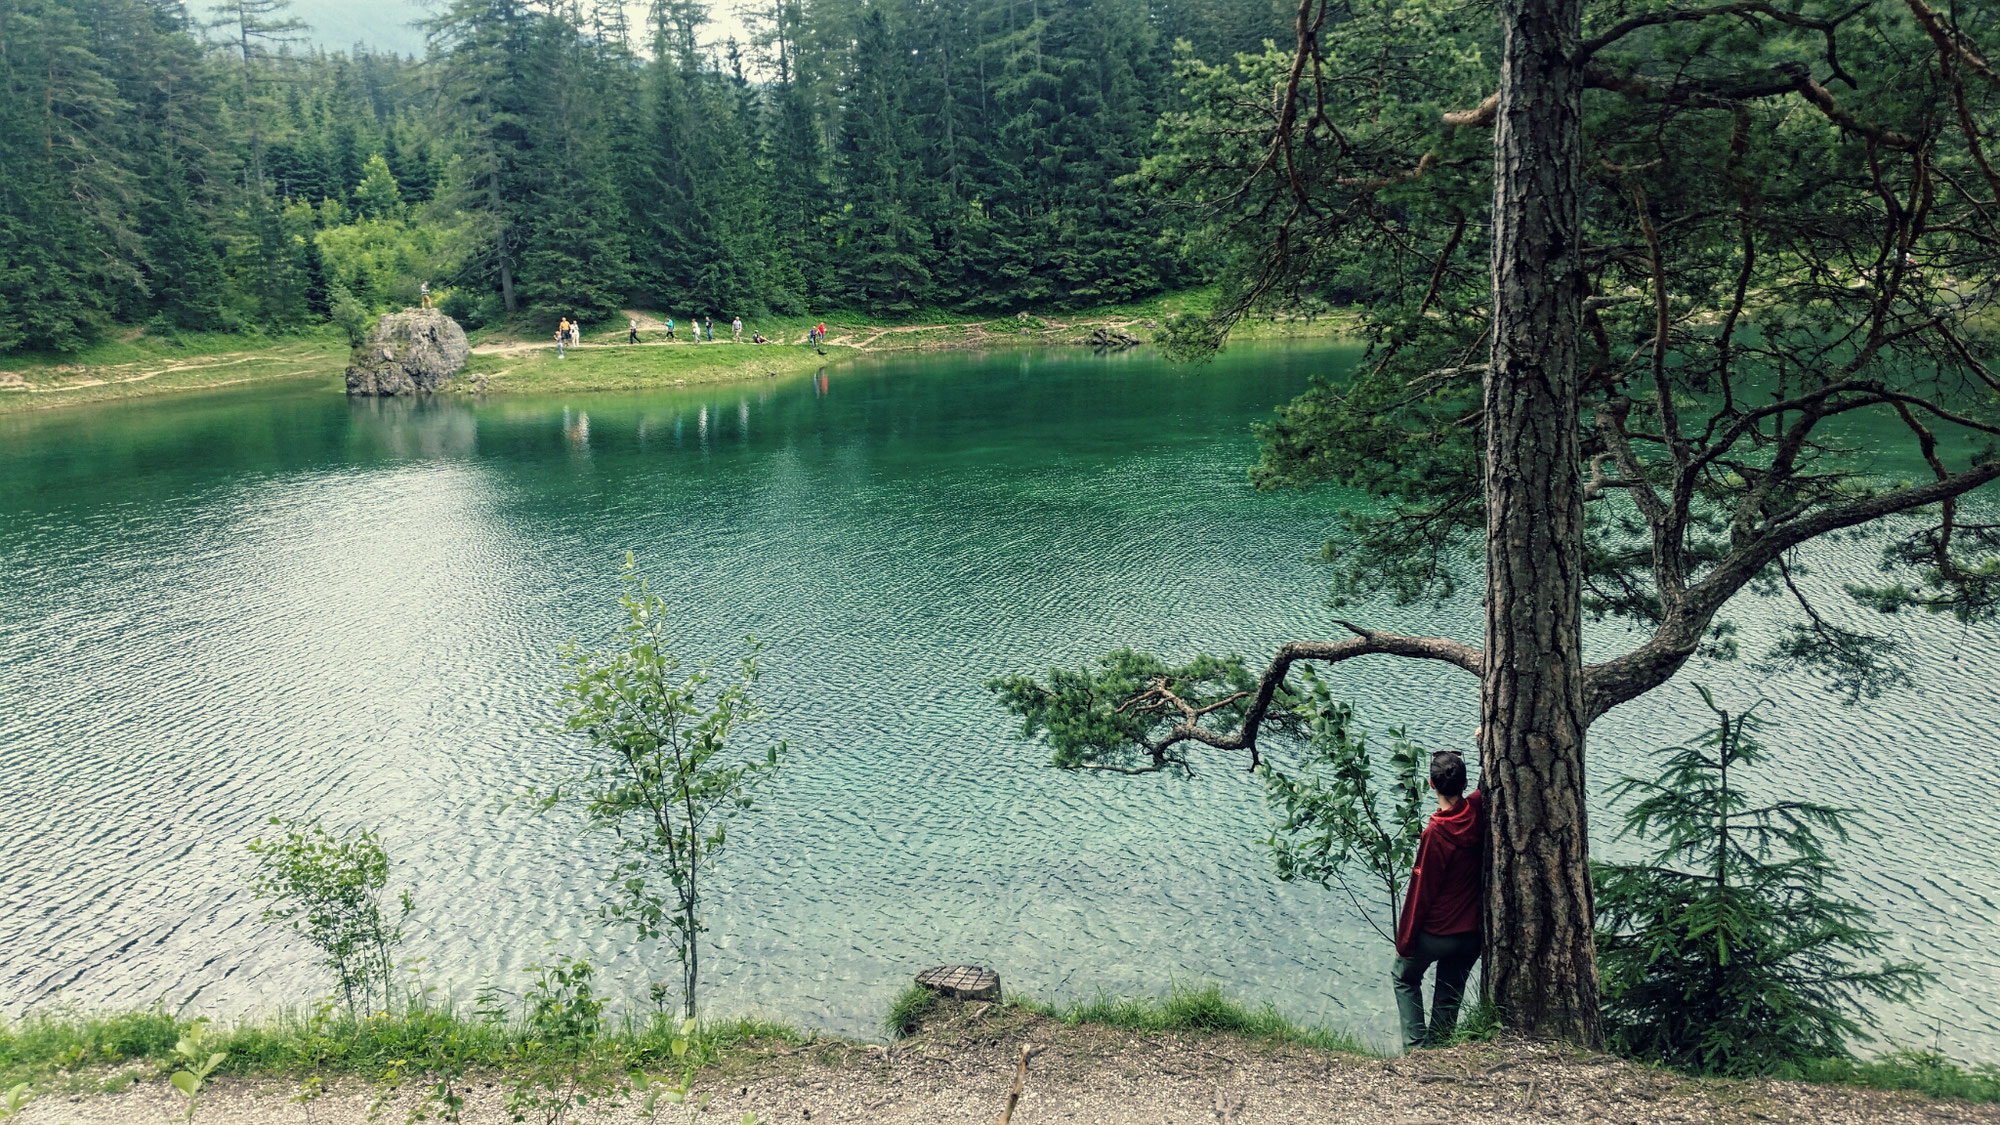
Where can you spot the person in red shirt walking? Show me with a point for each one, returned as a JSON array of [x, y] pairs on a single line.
[[1440, 923]]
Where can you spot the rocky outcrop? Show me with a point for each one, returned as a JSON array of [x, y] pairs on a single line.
[[415, 351]]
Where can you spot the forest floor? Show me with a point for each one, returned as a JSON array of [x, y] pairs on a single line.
[[511, 359], [962, 1064]]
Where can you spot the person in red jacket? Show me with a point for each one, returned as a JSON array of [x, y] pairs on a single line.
[[1440, 922]]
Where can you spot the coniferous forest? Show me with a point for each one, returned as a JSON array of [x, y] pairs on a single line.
[[206, 169]]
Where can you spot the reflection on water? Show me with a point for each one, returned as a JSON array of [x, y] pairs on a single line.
[[406, 426], [219, 607]]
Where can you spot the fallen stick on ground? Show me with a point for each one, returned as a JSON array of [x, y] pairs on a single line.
[[1020, 1079]]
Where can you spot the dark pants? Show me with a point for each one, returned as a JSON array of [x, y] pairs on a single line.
[[1454, 956]]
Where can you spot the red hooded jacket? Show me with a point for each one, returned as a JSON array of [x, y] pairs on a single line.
[[1446, 888]]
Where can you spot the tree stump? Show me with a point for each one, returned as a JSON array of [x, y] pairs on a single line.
[[962, 982]]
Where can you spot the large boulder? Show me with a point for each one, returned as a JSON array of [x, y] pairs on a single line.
[[415, 351]]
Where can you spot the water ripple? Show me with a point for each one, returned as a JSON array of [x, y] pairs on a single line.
[[272, 601]]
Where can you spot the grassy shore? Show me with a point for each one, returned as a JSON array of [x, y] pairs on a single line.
[[143, 364], [70, 1053], [518, 357]]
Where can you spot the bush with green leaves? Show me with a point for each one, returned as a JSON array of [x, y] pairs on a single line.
[[197, 1062], [557, 1069], [1727, 951], [659, 774], [350, 316], [333, 890], [655, 1092], [1332, 821]]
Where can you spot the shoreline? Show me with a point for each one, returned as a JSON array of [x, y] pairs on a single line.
[[961, 1060], [504, 363]]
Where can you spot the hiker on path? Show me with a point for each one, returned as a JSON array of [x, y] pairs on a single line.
[[670, 328], [632, 332], [708, 324], [1440, 922], [736, 330], [562, 337]]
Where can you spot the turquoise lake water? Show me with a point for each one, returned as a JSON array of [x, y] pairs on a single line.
[[215, 608]]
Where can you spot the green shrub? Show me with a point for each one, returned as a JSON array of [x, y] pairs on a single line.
[[1332, 822], [332, 891], [470, 309], [664, 774], [351, 317]]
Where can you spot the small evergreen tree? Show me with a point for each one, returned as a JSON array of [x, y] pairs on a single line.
[[378, 197], [319, 286], [1728, 952]]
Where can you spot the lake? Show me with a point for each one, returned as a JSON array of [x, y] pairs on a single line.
[[264, 601]]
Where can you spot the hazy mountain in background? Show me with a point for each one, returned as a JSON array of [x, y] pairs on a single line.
[[385, 25]]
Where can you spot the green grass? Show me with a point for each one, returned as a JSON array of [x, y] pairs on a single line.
[[1203, 1009], [594, 368], [147, 364], [152, 363], [89, 1052], [933, 328], [1923, 1072], [79, 1053], [908, 1009], [1183, 1009]]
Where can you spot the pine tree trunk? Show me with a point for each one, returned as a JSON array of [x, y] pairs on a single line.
[[506, 263], [1540, 956]]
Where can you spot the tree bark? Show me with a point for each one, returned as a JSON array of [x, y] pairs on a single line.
[[1540, 954], [506, 263]]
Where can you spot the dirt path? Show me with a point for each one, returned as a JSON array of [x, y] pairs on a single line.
[[961, 1068], [861, 339], [227, 359]]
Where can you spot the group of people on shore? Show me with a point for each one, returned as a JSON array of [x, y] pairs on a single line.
[[569, 332]]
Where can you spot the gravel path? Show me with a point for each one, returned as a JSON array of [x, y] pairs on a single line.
[[962, 1067]]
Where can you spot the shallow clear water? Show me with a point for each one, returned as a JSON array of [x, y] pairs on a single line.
[[218, 608]]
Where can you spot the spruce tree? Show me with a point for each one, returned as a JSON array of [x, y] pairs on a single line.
[[668, 235], [881, 262], [184, 272], [65, 241], [256, 31], [1727, 950], [485, 94], [572, 257], [378, 197]]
